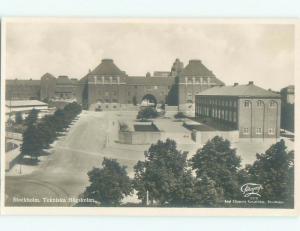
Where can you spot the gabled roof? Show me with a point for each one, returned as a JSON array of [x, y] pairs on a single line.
[[107, 67], [196, 68], [63, 80], [48, 76], [248, 90]]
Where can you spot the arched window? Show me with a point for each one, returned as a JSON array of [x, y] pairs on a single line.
[[247, 103], [273, 103], [260, 103]]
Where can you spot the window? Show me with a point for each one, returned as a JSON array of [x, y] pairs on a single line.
[[115, 100], [205, 80], [247, 104], [106, 93], [234, 103], [197, 80], [245, 131], [258, 131], [107, 79], [272, 103], [114, 80], [190, 80], [271, 131], [190, 97], [234, 117], [259, 103]]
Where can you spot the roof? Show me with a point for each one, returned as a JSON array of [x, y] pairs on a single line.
[[134, 80], [48, 76], [196, 68], [64, 80], [24, 103], [248, 90], [107, 67]]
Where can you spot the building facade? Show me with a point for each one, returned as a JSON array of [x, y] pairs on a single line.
[[110, 88], [253, 111]]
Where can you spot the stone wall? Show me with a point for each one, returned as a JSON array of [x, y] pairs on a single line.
[[133, 137]]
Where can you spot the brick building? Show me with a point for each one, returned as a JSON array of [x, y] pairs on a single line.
[[253, 111], [109, 87]]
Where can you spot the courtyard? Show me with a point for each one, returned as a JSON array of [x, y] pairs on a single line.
[[63, 173]]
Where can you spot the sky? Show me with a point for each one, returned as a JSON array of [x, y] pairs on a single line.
[[263, 53]]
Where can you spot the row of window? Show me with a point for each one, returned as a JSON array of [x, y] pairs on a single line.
[[107, 79], [260, 103], [259, 131], [107, 100], [198, 80], [217, 113], [219, 102]]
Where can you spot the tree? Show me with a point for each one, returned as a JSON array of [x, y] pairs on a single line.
[[165, 175], [274, 169], [32, 117], [207, 193], [217, 161], [109, 184], [147, 113], [19, 118], [31, 145]]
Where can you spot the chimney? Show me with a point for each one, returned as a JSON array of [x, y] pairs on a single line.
[[250, 83], [235, 84], [107, 61]]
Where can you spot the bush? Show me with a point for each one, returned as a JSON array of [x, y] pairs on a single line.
[[180, 115], [147, 113]]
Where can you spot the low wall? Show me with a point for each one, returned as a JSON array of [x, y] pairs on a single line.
[[202, 137], [133, 137]]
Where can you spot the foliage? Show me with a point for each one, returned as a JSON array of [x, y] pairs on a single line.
[[207, 193], [147, 113], [179, 115], [109, 184], [165, 175], [274, 169], [32, 117], [217, 161], [38, 135], [31, 142]]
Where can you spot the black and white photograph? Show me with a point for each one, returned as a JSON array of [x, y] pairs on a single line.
[[154, 115]]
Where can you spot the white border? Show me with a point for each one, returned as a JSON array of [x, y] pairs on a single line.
[[150, 211]]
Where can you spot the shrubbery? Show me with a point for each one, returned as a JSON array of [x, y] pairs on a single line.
[[147, 113]]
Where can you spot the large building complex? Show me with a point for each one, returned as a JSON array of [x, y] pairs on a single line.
[[109, 87], [253, 111]]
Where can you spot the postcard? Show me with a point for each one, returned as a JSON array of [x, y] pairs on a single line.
[[149, 117]]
